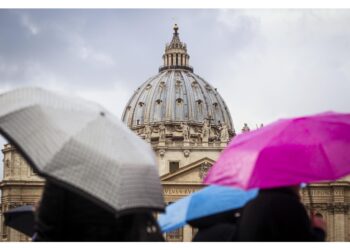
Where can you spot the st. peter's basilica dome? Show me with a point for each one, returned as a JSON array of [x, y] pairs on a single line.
[[176, 99]]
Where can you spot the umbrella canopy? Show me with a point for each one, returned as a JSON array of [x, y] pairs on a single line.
[[21, 218], [287, 152], [82, 146], [206, 202]]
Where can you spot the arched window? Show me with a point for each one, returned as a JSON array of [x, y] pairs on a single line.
[[179, 100], [318, 214], [162, 84]]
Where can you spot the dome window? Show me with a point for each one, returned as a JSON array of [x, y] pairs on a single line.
[[199, 101], [162, 84], [141, 104], [158, 101], [215, 104], [178, 84], [148, 86], [179, 100]]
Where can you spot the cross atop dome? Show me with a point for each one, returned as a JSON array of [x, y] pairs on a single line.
[[176, 28], [175, 55]]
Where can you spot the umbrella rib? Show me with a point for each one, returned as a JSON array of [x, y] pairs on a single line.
[[329, 165], [70, 139], [287, 125], [323, 152], [259, 155]]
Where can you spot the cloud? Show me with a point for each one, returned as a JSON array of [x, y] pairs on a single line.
[[294, 63], [114, 99], [265, 63], [92, 55], [38, 49], [28, 23]]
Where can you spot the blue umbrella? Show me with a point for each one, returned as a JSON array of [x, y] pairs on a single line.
[[208, 201]]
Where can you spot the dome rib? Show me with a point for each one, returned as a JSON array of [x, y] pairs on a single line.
[[202, 97], [169, 98], [152, 96], [189, 96], [155, 106]]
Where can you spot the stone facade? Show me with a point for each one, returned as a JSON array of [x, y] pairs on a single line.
[[20, 186], [181, 183], [331, 200]]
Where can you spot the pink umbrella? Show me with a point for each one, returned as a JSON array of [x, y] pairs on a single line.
[[287, 152]]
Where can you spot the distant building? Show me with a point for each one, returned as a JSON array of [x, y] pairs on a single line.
[[185, 120], [188, 124]]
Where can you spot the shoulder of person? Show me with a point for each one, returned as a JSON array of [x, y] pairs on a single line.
[[287, 201]]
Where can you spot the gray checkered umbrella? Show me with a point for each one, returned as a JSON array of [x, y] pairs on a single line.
[[82, 146]]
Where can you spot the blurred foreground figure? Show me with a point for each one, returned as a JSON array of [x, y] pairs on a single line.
[[219, 232], [278, 215], [67, 216], [217, 228], [81, 146]]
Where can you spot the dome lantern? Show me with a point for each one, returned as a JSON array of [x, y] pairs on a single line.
[[175, 56]]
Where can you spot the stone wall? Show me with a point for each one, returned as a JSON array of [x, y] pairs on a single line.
[[20, 186]]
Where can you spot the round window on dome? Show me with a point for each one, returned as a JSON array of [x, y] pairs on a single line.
[[162, 84], [199, 101], [179, 100]]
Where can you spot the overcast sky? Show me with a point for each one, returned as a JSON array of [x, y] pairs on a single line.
[[266, 64]]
